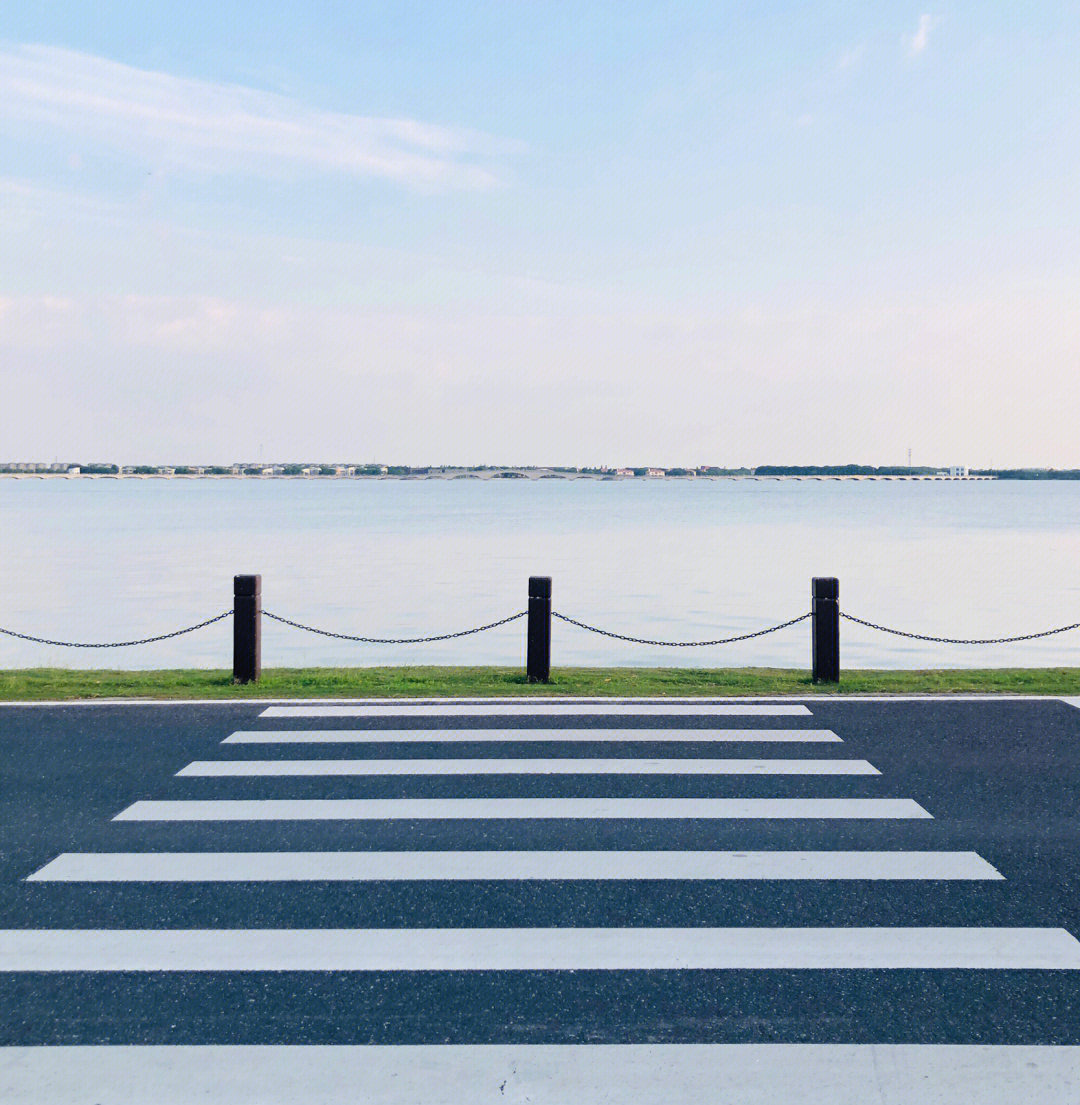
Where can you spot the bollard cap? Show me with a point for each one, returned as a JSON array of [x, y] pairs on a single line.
[[539, 587], [245, 586], [825, 587]]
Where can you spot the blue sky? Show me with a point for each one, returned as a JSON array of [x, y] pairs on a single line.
[[541, 232]]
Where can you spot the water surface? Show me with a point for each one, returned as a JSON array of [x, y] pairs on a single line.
[[109, 559]]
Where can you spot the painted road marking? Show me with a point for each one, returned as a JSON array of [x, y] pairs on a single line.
[[439, 866], [379, 809], [527, 708], [542, 1074], [362, 736], [500, 766], [538, 949]]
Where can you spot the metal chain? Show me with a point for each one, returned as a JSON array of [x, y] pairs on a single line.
[[117, 644], [555, 614], [680, 644], [961, 640], [394, 640]]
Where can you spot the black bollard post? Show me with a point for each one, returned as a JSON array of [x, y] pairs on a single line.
[[247, 628], [538, 641], [825, 647]]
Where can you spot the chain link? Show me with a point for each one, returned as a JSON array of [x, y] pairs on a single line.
[[394, 640], [117, 644], [680, 644], [961, 640]]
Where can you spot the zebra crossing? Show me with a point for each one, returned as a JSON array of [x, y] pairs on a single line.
[[466, 806], [773, 946]]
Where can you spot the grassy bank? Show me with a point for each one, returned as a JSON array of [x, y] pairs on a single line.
[[58, 683]]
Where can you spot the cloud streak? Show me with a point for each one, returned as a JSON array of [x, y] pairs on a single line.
[[212, 127], [916, 43]]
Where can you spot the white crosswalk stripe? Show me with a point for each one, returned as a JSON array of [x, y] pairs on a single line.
[[393, 809], [542, 1074], [443, 736], [525, 708], [581, 765], [529, 949], [519, 865]]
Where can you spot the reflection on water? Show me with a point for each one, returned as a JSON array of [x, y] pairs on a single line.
[[100, 560]]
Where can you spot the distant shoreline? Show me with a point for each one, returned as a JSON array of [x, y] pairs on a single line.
[[375, 471], [499, 474]]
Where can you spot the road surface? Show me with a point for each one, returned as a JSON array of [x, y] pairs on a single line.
[[830, 901]]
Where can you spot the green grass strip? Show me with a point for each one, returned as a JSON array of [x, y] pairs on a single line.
[[407, 682]]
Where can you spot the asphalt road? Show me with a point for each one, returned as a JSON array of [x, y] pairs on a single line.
[[948, 918]]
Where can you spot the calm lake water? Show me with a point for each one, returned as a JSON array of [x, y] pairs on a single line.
[[107, 560]]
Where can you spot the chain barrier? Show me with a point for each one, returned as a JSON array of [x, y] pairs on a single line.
[[394, 640], [680, 644], [960, 640], [117, 644], [555, 614]]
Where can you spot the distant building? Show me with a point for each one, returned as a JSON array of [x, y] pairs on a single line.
[[655, 472], [624, 471], [958, 471], [166, 471], [74, 470]]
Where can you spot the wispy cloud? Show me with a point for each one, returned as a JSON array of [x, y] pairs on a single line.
[[224, 128], [849, 59], [917, 42]]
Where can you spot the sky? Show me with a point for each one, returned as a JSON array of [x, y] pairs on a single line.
[[540, 232]]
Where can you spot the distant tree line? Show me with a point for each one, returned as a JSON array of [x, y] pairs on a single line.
[[839, 470], [869, 470], [1029, 473]]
